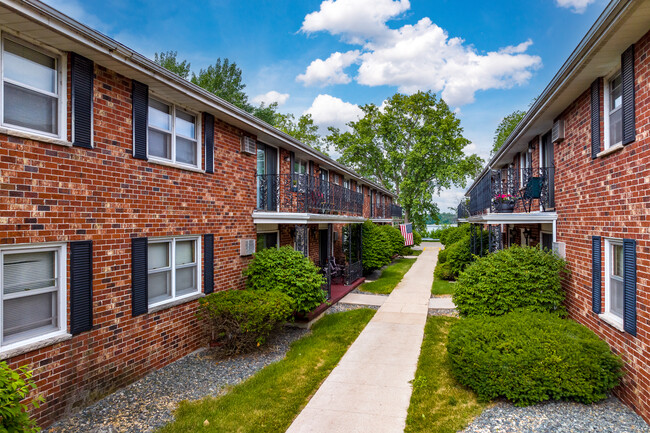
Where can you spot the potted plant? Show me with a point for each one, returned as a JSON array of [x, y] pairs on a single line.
[[504, 203]]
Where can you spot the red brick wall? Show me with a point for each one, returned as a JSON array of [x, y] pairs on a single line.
[[53, 193], [609, 197]]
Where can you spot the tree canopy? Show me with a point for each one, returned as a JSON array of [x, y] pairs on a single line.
[[302, 129], [505, 128], [167, 59], [412, 146]]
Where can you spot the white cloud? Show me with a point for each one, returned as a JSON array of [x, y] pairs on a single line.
[[330, 70], [576, 6], [420, 56], [271, 97], [326, 110]]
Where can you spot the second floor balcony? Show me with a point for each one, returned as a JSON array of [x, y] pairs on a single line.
[[302, 193]]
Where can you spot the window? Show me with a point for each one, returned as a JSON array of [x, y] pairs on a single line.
[[614, 280], [173, 269], [267, 240], [30, 88], [33, 294], [172, 134], [346, 184], [613, 112], [299, 167]]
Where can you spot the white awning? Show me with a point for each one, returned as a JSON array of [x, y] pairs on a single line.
[[303, 218], [514, 218]]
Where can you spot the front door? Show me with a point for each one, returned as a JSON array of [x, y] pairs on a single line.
[[549, 165], [323, 247]]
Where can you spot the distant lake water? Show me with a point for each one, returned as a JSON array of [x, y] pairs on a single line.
[[431, 227]]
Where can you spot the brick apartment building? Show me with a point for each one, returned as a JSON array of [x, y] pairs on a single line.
[[579, 162], [126, 193]]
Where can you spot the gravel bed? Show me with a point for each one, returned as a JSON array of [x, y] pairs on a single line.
[[443, 312], [149, 403], [609, 416], [361, 292], [339, 307]]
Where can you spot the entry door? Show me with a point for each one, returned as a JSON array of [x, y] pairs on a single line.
[[323, 247], [267, 163], [547, 241], [549, 164]]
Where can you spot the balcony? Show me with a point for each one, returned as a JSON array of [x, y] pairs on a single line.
[[462, 212], [385, 211], [302, 193], [396, 211], [508, 190]]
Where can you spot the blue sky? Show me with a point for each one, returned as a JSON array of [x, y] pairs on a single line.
[[486, 58]]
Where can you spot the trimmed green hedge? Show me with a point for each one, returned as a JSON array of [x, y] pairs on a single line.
[[451, 235], [288, 271], [529, 357], [510, 279]]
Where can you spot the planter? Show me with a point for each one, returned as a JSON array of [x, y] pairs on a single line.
[[505, 207]]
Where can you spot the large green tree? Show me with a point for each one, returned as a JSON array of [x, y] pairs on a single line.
[[302, 129], [224, 79], [413, 146], [168, 60], [505, 128]]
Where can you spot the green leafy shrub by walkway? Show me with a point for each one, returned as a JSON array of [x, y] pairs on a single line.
[[15, 386], [529, 357], [241, 320], [451, 235], [511, 279], [288, 271], [439, 403], [390, 277], [395, 237], [376, 247], [272, 398]]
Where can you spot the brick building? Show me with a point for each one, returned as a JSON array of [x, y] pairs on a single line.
[[127, 193], [579, 164]]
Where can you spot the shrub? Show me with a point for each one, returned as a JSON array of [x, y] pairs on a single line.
[[443, 271], [15, 386], [288, 271], [529, 357], [395, 239], [442, 256], [242, 319], [376, 247], [451, 235], [417, 238], [459, 255], [510, 279]]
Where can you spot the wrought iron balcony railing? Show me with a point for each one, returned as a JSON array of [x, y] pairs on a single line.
[[303, 193], [500, 190], [396, 211], [463, 210]]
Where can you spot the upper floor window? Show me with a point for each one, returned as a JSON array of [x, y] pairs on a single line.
[[299, 167], [173, 269], [31, 91], [172, 134], [613, 112], [346, 184], [33, 293]]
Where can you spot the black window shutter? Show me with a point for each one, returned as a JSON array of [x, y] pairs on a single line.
[[81, 286], [208, 128], [140, 101], [139, 275], [82, 76], [629, 286], [208, 264], [595, 274], [595, 117], [627, 78]]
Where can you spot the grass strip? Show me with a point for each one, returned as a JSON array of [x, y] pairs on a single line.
[[390, 276], [442, 287], [438, 403], [272, 398]]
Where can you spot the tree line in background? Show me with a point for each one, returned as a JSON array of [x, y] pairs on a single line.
[[411, 144]]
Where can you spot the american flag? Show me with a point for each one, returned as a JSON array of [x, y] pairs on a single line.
[[407, 232]]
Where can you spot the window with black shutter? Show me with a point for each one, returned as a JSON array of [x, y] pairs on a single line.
[[139, 276], [82, 79], [629, 286], [595, 118], [140, 101], [627, 84], [208, 122], [81, 286], [208, 264], [595, 274]]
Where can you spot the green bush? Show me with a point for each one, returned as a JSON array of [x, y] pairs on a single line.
[[395, 239], [376, 247], [15, 386], [529, 357], [511, 279], [443, 271], [240, 320], [442, 256], [288, 271], [451, 235], [417, 238], [459, 255]]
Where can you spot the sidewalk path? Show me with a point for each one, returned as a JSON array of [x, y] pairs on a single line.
[[369, 391]]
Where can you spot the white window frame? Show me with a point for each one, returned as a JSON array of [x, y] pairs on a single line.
[[607, 315], [172, 267], [606, 108], [61, 82], [198, 128], [277, 236], [61, 266]]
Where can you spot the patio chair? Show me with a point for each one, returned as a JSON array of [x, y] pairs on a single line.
[[336, 270], [532, 191]]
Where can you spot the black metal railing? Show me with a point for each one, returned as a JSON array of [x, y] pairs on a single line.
[[396, 211], [381, 210], [462, 212], [500, 190], [303, 193]]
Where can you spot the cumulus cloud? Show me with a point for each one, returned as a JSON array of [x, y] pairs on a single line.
[[327, 110], [416, 57], [271, 97], [576, 6], [330, 70]]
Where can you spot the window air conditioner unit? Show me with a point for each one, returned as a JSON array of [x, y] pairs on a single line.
[[246, 247], [558, 131], [248, 145], [559, 248]]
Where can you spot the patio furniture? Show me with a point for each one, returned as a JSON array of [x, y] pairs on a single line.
[[532, 191], [336, 270]]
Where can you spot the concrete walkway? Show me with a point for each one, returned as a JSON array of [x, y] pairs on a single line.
[[369, 391]]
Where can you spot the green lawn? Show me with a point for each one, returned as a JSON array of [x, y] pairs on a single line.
[[389, 277], [416, 252], [272, 398], [442, 287], [438, 403]]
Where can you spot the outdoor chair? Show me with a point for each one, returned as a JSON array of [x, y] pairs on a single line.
[[336, 270], [532, 191]]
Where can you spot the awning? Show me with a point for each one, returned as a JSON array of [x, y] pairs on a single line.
[[514, 218], [303, 218]]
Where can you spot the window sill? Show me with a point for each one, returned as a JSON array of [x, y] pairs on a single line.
[[612, 320], [175, 302], [34, 137], [175, 165], [19, 350], [610, 150]]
